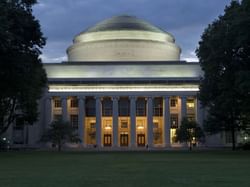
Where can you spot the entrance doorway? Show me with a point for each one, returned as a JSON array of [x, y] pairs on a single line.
[[124, 140], [107, 140], [141, 140]]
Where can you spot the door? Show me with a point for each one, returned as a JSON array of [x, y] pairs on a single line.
[[124, 139], [141, 140], [107, 140]]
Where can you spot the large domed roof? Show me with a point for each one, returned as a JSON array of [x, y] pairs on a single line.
[[123, 22], [123, 38]]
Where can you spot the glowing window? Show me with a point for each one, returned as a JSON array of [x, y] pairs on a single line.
[[190, 103], [124, 124], [174, 120]]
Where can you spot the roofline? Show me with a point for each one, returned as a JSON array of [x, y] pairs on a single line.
[[117, 63], [119, 80]]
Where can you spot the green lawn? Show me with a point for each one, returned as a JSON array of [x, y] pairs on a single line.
[[204, 168]]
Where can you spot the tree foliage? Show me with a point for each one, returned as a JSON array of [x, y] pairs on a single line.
[[59, 133], [189, 132], [22, 77], [224, 55]]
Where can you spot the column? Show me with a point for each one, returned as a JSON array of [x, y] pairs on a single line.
[[48, 112], [115, 121], [64, 108], [98, 121], [81, 119], [150, 121], [183, 107], [132, 121], [166, 122]]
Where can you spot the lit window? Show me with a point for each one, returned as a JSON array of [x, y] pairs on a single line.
[[173, 103], [140, 126], [108, 126], [156, 125], [92, 125], [174, 120], [57, 103], [190, 103], [124, 124]]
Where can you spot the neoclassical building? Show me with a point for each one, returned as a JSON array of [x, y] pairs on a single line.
[[122, 86]]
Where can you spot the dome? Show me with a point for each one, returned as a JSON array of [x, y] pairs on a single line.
[[117, 23], [123, 38]]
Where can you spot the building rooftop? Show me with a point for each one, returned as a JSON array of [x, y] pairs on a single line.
[[123, 22]]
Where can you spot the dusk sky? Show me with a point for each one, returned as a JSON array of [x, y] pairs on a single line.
[[61, 20]]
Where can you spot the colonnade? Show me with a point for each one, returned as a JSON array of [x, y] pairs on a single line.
[[115, 117]]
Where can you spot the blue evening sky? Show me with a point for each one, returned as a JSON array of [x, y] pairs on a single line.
[[61, 20]]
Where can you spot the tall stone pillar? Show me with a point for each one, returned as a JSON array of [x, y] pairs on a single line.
[[115, 121], [150, 121], [132, 121], [98, 121], [81, 119], [183, 107], [166, 118], [48, 112], [64, 108]]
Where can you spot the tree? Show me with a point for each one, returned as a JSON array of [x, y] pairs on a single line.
[[22, 77], [224, 55], [59, 133], [189, 132]]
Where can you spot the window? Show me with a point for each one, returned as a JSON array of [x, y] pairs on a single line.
[[74, 103], [90, 107], [108, 125], [141, 107], [19, 123], [157, 107], [156, 125], [124, 107], [57, 103], [190, 103], [174, 120], [191, 117], [57, 117], [74, 121], [92, 125], [228, 137], [173, 102], [124, 124], [107, 107]]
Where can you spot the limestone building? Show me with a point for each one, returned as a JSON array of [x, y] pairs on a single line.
[[122, 86]]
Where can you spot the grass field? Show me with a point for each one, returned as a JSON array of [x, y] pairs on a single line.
[[139, 169]]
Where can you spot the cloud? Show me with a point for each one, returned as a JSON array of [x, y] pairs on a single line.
[[61, 20], [50, 59]]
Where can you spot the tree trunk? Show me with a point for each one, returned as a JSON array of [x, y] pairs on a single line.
[[190, 146], [59, 146], [233, 138]]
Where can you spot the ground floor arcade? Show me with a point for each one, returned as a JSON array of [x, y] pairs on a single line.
[[123, 121]]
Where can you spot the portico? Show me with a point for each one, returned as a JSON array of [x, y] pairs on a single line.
[[123, 120]]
